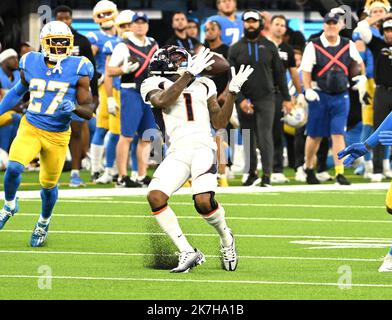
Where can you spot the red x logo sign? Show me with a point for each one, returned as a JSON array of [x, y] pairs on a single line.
[[334, 59]]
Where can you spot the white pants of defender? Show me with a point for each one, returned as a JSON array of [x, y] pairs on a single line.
[[182, 164]]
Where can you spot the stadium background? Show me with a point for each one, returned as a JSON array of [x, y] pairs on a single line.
[[20, 21]]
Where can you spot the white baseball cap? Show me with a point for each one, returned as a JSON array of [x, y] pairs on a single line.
[[7, 54]]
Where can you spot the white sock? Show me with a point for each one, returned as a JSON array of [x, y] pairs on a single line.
[[43, 221], [96, 152], [217, 220], [10, 204], [109, 171], [167, 220], [140, 178], [368, 166], [75, 172], [386, 165]]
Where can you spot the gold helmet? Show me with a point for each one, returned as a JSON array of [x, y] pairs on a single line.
[[125, 17], [370, 4], [104, 13], [57, 41]]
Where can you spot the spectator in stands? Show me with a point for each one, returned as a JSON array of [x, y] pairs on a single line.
[[325, 68], [25, 47], [256, 101], [192, 28], [180, 37]]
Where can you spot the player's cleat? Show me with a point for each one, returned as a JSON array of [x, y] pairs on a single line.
[[300, 174], [39, 236], [105, 178], [145, 181], [127, 182], [7, 213], [115, 178], [222, 181], [76, 181], [188, 260], [229, 255], [279, 178], [387, 174], [95, 176], [311, 177], [376, 177], [387, 264], [342, 180], [252, 180], [323, 176], [265, 181]]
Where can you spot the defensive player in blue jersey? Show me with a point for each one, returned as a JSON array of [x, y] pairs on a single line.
[[230, 22], [104, 13], [382, 135], [59, 86]]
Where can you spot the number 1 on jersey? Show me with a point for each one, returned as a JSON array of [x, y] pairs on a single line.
[[188, 104]]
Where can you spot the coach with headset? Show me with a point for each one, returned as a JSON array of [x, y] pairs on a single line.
[[256, 101]]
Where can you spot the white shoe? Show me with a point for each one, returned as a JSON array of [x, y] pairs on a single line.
[[387, 174], [323, 176], [244, 177], [229, 256], [106, 178], [300, 175], [279, 178], [188, 260], [387, 264], [368, 174], [376, 177]]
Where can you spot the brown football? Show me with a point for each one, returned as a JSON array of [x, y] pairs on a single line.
[[220, 65]]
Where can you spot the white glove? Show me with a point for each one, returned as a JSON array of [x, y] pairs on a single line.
[[239, 79], [112, 106], [130, 67], [301, 101], [311, 95], [200, 62], [101, 80], [360, 86]]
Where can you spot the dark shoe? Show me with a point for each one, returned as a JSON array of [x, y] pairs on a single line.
[[342, 180], [252, 180], [95, 176], [115, 178], [265, 181], [126, 182], [311, 177], [145, 182]]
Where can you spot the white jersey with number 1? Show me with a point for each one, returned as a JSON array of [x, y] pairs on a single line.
[[187, 121]]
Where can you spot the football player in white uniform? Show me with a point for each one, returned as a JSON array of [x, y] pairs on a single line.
[[189, 106]]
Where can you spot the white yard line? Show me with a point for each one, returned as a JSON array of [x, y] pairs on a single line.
[[217, 281], [200, 235], [190, 203], [126, 254], [147, 216], [85, 193]]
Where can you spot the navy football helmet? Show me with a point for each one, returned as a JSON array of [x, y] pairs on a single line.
[[167, 60]]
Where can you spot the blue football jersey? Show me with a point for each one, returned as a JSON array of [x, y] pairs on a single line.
[[232, 31], [49, 88], [5, 82], [99, 39], [108, 50]]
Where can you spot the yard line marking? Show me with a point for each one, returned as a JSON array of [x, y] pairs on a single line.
[[126, 254], [190, 203], [342, 244], [199, 235], [124, 216], [183, 280]]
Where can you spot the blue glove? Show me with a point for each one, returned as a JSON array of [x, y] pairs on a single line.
[[385, 138], [66, 106], [354, 152]]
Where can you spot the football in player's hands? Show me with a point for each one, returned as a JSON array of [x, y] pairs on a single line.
[[220, 66]]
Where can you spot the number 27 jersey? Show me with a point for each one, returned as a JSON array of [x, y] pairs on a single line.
[[187, 121], [49, 88]]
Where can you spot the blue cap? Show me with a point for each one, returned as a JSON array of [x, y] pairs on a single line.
[[331, 17], [140, 15]]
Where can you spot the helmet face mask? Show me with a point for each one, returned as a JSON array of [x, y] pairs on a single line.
[[104, 14], [168, 60], [57, 41]]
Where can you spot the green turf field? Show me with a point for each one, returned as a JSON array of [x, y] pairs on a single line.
[[298, 245]]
